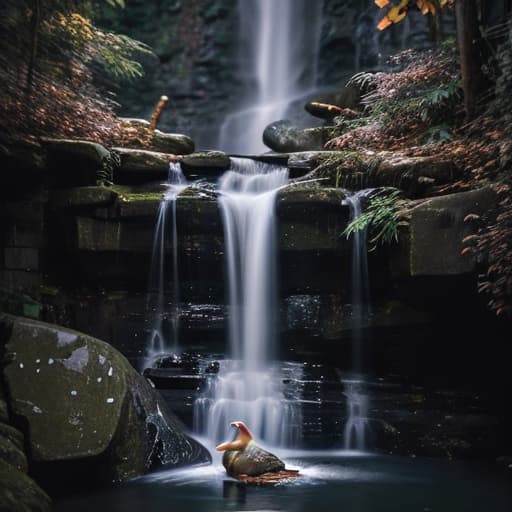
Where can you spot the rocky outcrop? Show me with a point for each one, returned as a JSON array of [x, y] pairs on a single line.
[[79, 401]]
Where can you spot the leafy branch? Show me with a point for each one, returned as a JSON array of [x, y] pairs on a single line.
[[383, 219]]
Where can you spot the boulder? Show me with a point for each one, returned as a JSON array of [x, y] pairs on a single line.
[[19, 492], [141, 165], [437, 228], [172, 143], [77, 399], [283, 137]]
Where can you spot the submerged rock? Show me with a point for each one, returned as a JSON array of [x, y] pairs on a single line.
[[80, 400]]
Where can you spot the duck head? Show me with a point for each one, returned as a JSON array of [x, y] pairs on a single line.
[[241, 440]]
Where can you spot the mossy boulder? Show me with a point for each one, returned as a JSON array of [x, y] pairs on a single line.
[[78, 399], [142, 165], [76, 162], [18, 492], [205, 163], [437, 228], [283, 137]]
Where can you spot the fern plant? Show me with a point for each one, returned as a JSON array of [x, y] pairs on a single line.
[[382, 219]]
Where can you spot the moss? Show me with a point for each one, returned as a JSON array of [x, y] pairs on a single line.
[[19, 492]]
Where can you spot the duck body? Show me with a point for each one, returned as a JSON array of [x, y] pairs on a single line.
[[246, 461], [251, 461]]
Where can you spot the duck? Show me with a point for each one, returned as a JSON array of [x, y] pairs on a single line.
[[245, 460]]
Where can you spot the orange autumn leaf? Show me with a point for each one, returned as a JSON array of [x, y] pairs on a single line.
[[425, 6], [381, 3], [395, 15]]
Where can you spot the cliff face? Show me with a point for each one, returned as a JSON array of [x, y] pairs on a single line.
[[197, 55]]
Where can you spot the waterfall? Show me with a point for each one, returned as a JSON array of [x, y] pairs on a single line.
[[249, 387], [356, 427], [157, 343], [278, 64]]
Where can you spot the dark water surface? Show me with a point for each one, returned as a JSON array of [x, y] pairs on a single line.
[[331, 481]]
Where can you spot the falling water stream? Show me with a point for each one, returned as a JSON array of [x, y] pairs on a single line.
[[158, 343], [249, 386], [278, 64], [357, 427]]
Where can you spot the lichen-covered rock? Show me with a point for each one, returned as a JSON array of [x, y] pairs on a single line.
[[206, 163], [436, 230], [79, 197], [18, 492], [282, 136], [142, 165], [175, 143], [80, 399]]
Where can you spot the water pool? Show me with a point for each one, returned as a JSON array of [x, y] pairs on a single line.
[[331, 481]]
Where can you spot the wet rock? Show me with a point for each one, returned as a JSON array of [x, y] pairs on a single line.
[[81, 197], [303, 162], [19, 492], [141, 165], [414, 175], [175, 143], [76, 162], [205, 163], [80, 399], [283, 137], [156, 140], [437, 228]]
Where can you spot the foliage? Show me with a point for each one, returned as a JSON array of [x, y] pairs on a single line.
[[438, 134], [382, 217], [53, 59], [401, 106], [398, 12], [492, 244]]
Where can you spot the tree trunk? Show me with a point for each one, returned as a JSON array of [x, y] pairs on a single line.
[[468, 37]]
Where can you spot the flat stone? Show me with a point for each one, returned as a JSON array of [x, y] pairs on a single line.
[[143, 206], [206, 163], [75, 162], [90, 152], [21, 235], [141, 165], [282, 136], [20, 281], [21, 258], [437, 228], [112, 236], [81, 196], [413, 174], [175, 143]]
